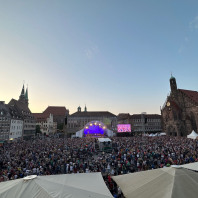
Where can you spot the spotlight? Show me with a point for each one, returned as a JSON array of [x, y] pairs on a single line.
[[95, 123], [90, 124]]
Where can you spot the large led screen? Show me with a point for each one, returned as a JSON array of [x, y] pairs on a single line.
[[124, 128]]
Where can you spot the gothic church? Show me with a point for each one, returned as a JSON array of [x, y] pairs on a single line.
[[180, 111]]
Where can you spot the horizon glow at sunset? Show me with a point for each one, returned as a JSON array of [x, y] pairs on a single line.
[[110, 55]]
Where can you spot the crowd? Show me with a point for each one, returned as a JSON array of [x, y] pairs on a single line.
[[65, 156]]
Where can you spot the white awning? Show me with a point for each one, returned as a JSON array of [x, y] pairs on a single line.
[[104, 140], [159, 183], [191, 166], [81, 185], [193, 135]]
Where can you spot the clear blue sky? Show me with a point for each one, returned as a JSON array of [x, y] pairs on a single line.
[[112, 55]]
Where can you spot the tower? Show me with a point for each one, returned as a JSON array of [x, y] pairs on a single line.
[[173, 84], [26, 97], [79, 109], [22, 96], [85, 109]]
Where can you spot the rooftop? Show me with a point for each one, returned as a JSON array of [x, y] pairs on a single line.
[[56, 110], [191, 94], [93, 114]]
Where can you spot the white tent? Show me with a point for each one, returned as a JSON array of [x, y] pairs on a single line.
[[79, 133], [191, 166], [81, 185], [161, 134], [109, 133], [164, 183], [104, 140], [193, 135], [104, 143]]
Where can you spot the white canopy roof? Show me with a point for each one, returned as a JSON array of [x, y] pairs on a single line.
[[81, 185], [191, 166], [164, 183], [162, 133], [109, 133], [193, 135], [79, 133], [104, 140]]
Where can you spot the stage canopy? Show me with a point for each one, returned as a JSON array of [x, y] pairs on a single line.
[[81, 185], [164, 183]]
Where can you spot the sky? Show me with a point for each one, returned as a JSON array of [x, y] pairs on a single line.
[[111, 55]]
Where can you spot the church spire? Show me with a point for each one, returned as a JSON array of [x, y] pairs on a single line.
[[85, 108], [22, 96], [26, 95], [22, 91]]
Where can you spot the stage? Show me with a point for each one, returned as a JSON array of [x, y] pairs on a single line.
[[95, 129]]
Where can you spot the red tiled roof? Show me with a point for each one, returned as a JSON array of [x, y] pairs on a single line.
[[20, 105], [56, 111], [93, 114], [40, 116], [123, 116], [191, 94]]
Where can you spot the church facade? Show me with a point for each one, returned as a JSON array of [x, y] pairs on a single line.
[[180, 111], [21, 105]]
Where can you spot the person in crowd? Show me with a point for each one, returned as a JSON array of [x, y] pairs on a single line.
[[51, 155]]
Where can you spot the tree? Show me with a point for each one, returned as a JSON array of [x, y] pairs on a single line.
[[38, 129], [60, 126]]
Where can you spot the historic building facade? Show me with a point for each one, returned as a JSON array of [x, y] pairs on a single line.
[[59, 113], [21, 105], [123, 118], [180, 111], [79, 119], [5, 118], [46, 123], [11, 122], [148, 123], [16, 123], [140, 123]]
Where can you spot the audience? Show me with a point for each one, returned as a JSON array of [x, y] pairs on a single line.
[[81, 155]]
